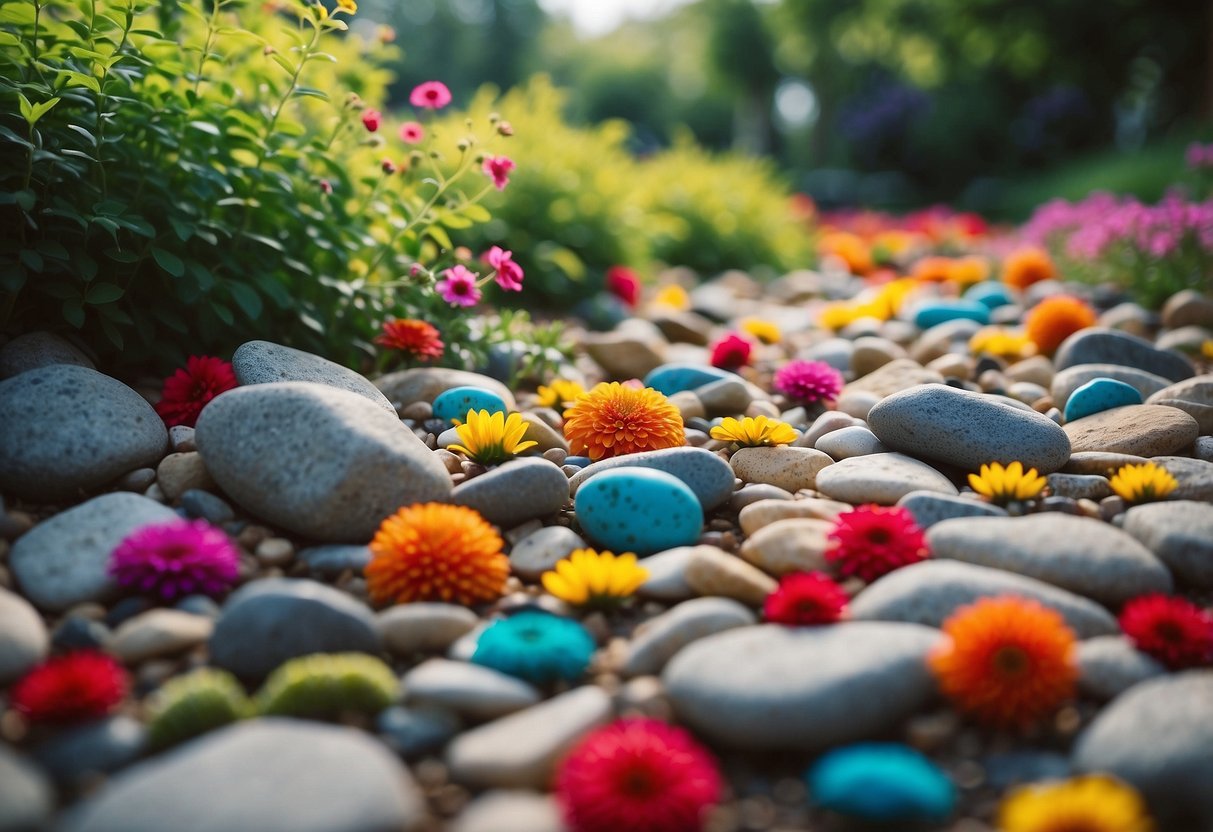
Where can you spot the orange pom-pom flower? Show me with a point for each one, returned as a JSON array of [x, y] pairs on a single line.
[[1009, 662], [1028, 266], [1055, 319], [436, 552], [613, 420]]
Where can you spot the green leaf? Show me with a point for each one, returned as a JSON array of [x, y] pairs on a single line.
[[205, 127], [168, 261], [223, 313], [112, 333], [25, 200], [476, 213], [439, 235], [79, 79], [310, 92], [73, 312], [247, 299], [13, 280], [53, 248], [100, 293], [281, 60], [32, 260]]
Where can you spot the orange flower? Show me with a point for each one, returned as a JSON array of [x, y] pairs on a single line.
[[1008, 661], [933, 269], [415, 337], [968, 270], [1028, 266], [849, 248], [433, 552], [1055, 319], [613, 420]]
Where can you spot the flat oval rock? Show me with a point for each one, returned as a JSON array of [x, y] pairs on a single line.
[[639, 510], [709, 476], [515, 492], [1098, 395], [1098, 345], [264, 362], [1141, 430], [424, 384], [880, 478]]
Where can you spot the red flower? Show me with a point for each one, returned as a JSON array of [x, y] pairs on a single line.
[[498, 169], [189, 389], [326, 186], [731, 351], [371, 119], [805, 598], [871, 541], [71, 688], [638, 775], [418, 338], [1173, 630], [432, 95], [624, 284]]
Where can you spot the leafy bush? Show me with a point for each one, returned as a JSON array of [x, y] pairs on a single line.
[[326, 685]]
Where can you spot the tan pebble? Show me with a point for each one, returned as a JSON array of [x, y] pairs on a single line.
[[857, 403], [762, 408], [785, 467], [251, 536], [157, 633], [953, 365], [757, 515], [714, 572], [275, 551], [688, 404], [791, 545], [178, 473], [417, 411], [556, 455], [549, 439], [450, 460], [1038, 370]]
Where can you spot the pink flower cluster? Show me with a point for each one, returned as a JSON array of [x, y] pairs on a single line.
[[1199, 156]]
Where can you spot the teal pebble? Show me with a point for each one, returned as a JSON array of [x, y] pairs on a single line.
[[638, 510], [455, 403], [939, 312], [881, 782], [1098, 395], [579, 461], [674, 378], [990, 294]]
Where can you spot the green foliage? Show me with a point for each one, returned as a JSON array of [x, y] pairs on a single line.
[[193, 704], [326, 685]]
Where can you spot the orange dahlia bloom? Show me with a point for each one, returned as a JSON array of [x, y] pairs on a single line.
[[436, 552], [1028, 266], [849, 248], [1055, 319], [613, 420], [415, 337], [1008, 662]]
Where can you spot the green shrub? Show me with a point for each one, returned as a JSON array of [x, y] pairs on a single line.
[[325, 685], [189, 705]]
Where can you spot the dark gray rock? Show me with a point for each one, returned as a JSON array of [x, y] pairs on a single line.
[[75, 755], [35, 350], [515, 492], [330, 561], [929, 508], [1097, 345], [1180, 533], [1110, 665], [263, 362], [414, 732]]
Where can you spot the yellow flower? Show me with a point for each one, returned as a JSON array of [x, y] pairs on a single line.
[[347, 6], [1143, 483], [589, 578], [1095, 803], [1002, 342], [560, 394], [836, 315], [768, 331], [754, 432], [968, 270], [489, 438], [672, 296], [1004, 485], [1206, 350]]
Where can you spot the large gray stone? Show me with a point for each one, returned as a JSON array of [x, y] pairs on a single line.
[[39, 349], [1157, 736], [264, 362], [709, 476], [1140, 429], [1180, 533], [26, 796], [515, 492], [470, 690], [23, 637], [77, 754], [929, 592], [265, 623], [1110, 665], [660, 638], [1080, 554], [880, 478], [816, 686], [943, 424], [1195, 477], [323, 463], [1097, 345], [62, 561], [1067, 381], [423, 384], [271, 775], [66, 430]]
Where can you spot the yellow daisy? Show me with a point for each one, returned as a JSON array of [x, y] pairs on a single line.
[[767, 331], [754, 432], [590, 578], [489, 438], [1144, 483], [560, 394], [1002, 485], [1095, 803], [672, 296]]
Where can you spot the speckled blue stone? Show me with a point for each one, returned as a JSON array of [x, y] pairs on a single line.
[[938, 312], [881, 782], [1098, 395], [991, 294], [638, 510], [455, 403], [674, 378]]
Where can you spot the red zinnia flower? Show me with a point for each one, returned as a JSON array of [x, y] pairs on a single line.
[[639, 775], [191, 388], [871, 541], [432, 95], [731, 351], [1173, 630], [418, 338], [624, 284], [805, 598], [71, 688], [371, 119]]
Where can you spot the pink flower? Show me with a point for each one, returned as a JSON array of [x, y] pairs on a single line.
[[326, 186], [458, 287], [176, 558], [371, 119], [432, 95], [509, 273], [624, 284], [498, 169], [412, 133]]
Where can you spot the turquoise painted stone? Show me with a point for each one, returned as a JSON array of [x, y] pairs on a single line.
[[455, 403], [991, 294], [881, 782], [579, 461], [638, 510], [1098, 395], [674, 378], [938, 312]]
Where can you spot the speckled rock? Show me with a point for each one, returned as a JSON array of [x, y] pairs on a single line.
[[470, 690], [712, 571], [423, 627], [929, 507], [349, 463], [657, 640], [455, 403], [1100, 464], [709, 476], [1079, 486], [423, 384], [510, 811], [899, 374], [1067, 381], [784, 467], [1110, 665], [1097, 345], [1085, 556], [638, 510], [539, 551], [23, 638], [515, 492], [849, 442], [757, 515], [943, 424], [157, 633], [264, 362], [1144, 430], [34, 350], [1180, 533], [880, 478], [1194, 397], [930, 591], [792, 545], [821, 686], [69, 430]]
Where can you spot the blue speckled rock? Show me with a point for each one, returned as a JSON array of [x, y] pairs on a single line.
[[455, 403], [706, 474], [990, 294], [674, 378], [1098, 395], [938, 312], [881, 782], [639, 510]]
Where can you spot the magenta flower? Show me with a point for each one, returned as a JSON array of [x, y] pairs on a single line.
[[371, 119], [809, 381], [509, 273], [176, 558], [498, 169], [432, 95], [411, 132], [458, 287]]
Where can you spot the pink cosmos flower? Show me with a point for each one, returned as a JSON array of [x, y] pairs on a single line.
[[412, 132], [509, 273], [498, 169], [176, 558], [432, 95], [458, 287], [371, 119]]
